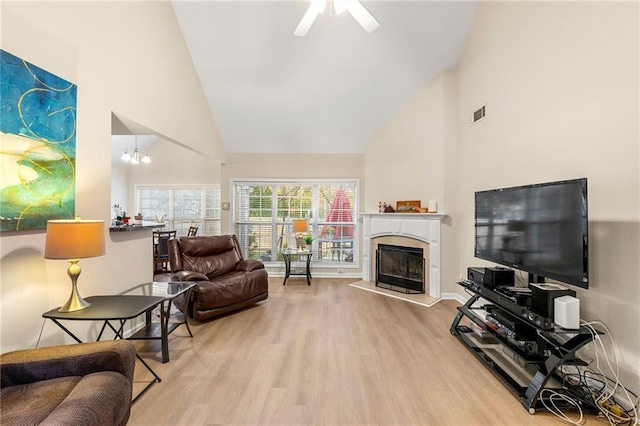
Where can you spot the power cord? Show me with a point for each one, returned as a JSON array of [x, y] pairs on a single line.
[[596, 391], [552, 406], [606, 402], [587, 386]]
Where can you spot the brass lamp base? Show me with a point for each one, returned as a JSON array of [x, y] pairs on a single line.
[[75, 302]]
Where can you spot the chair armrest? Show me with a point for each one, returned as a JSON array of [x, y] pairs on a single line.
[[33, 365], [248, 265], [189, 276]]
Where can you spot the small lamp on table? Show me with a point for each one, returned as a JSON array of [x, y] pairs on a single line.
[[74, 240], [300, 226]]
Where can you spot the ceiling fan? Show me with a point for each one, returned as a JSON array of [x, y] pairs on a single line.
[[354, 7]]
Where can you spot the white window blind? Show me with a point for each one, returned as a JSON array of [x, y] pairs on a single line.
[[182, 207], [263, 214]]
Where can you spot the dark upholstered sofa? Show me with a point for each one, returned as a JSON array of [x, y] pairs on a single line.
[[80, 384], [225, 280]]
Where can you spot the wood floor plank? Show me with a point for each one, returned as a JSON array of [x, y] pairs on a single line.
[[326, 354]]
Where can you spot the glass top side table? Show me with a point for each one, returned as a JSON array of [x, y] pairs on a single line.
[[302, 256], [161, 331]]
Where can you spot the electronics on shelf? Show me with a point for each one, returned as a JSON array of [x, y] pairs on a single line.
[[518, 295], [566, 312], [491, 277], [543, 295], [514, 300]]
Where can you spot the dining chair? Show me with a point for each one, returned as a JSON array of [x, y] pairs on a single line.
[[161, 250], [193, 230]]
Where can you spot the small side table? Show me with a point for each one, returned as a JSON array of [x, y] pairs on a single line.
[[160, 331], [301, 256]]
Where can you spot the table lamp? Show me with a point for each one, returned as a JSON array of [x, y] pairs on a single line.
[[300, 226], [74, 240]]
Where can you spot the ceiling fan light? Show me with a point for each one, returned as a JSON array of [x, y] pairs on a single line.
[[362, 15], [355, 8], [307, 20], [319, 5], [339, 6]]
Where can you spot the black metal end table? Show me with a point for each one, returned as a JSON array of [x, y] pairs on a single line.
[[161, 331], [300, 255]]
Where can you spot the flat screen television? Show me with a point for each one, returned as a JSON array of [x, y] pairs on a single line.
[[541, 229]]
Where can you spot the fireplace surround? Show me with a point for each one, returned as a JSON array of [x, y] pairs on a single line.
[[406, 229]]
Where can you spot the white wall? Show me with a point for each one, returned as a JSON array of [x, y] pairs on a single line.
[[413, 157], [560, 80], [419, 129], [119, 186], [127, 57]]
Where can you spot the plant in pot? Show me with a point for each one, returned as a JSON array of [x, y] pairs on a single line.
[[308, 239], [137, 219]]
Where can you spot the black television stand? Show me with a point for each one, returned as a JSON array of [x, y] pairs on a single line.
[[525, 350]]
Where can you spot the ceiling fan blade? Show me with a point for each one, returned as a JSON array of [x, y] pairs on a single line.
[[362, 15], [307, 20]]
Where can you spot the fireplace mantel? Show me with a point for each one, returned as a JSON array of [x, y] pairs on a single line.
[[426, 227]]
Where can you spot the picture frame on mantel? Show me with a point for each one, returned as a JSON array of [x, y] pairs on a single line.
[[408, 206]]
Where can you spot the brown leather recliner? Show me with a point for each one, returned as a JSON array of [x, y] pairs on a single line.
[[225, 280]]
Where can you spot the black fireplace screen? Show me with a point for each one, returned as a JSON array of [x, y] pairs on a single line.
[[400, 268]]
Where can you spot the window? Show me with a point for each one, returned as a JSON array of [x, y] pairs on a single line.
[[263, 214], [182, 206]]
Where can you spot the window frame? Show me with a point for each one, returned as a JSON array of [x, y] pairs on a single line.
[[314, 224]]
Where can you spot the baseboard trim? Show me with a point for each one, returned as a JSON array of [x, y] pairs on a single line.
[[455, 296]]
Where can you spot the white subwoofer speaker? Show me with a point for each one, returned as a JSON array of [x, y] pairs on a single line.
[[566, 312]]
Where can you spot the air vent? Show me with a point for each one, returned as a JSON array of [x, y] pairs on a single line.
[[479, 114]]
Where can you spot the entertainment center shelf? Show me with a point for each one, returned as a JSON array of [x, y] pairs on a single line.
[[525, 365]]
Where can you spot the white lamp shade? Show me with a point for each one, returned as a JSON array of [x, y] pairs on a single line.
[[74, 239]]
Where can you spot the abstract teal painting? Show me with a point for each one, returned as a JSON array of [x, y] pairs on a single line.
[[37, 145]]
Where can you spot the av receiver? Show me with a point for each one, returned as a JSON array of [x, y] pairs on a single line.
[[525, 313], [491, 277], [518, 327], [517, 332]]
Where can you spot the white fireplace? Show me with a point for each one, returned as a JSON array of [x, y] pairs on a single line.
[[424, 227]]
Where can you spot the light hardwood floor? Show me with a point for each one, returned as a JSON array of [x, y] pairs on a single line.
[[327, 354]]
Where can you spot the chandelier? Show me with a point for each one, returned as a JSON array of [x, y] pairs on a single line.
[[136, 157]]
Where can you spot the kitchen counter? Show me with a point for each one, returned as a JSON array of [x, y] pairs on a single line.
[[133, 227]]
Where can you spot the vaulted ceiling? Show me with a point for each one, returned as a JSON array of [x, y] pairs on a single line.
[[328, 92]]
